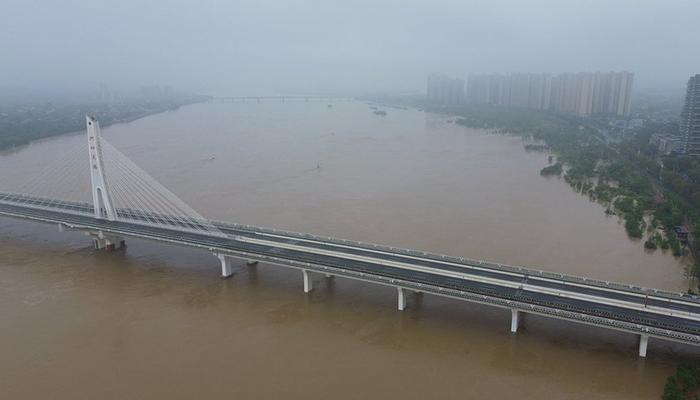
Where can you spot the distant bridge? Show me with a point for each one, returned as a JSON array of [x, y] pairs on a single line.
[[132, 204], [244, 99]]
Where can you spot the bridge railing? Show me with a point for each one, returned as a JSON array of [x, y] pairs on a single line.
[[472, 262], [600, 317], [467, 262], [487, 298], [46, 203]]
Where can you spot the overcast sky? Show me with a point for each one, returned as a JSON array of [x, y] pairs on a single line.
[[261, 46]]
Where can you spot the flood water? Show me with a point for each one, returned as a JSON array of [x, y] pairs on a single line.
[[157, 321]]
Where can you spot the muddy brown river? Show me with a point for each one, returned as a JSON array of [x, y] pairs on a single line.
[[157, 321]]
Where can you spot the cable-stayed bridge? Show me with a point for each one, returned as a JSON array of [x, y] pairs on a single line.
[[119, 200]]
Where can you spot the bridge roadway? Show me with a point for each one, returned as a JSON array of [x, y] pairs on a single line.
[[646, 312], [226, 99]]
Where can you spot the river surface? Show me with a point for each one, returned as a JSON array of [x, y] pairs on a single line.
[[157, 321]]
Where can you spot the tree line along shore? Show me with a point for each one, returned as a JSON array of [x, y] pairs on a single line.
[[22, 122]]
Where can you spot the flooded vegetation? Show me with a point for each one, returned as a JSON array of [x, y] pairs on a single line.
[[620, 176]]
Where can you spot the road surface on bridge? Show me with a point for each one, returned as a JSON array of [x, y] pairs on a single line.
[[672, 316]]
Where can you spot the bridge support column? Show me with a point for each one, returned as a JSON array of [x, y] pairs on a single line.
[[514, 320], [402, 298], [99, 243], [114, 243], [107, 242], [226, 269], [308, 284], [643, 342]]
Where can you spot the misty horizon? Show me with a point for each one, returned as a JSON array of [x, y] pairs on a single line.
[[353, 47]]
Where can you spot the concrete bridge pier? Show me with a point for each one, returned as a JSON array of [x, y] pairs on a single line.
[[308, 284], [402, 298], [514, 320], [107, 242], [226, 269], [114, 243], [643, 342]]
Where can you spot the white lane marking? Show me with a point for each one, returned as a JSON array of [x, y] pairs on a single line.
[[466, 276], [462, 266], [482, 279]]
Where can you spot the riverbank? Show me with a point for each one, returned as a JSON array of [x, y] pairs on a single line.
[[609, 174], [24, 121]]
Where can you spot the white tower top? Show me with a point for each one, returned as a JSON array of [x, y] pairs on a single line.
[[101, 197]]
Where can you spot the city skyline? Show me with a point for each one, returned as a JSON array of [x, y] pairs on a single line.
[[580, 93]]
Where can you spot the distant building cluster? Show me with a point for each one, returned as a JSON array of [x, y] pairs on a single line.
[[581, 94], [687, 141], [690, 119], [666, 144], [515, 90], [445, 90]]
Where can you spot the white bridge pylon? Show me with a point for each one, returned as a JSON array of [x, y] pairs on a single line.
[[122, 191], [101, 196], [115, 188]]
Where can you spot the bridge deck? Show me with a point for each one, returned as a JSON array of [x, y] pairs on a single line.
[[668, 315]]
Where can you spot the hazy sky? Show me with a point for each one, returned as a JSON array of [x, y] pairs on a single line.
[[261, 46]]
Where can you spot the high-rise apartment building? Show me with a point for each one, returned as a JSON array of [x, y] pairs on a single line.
[[445, 90], [573, 93], [479, 88], [581, 94], [517, 90], [690, 118]]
